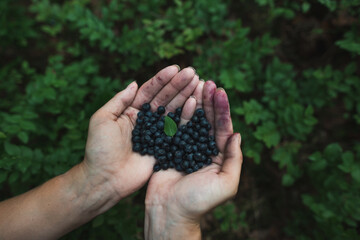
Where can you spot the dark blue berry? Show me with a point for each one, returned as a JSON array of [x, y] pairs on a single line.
[[136, 139], [165, 166], [161, 152], [156, 115], [203, 122], [177, 120], [215, 152], [176, 140], [140, 114], [178, 160], [188, 149], [151, 142], [211, 138], [169, 155], [197, 156], [157, 167], [160, 125], [208, 152], [196, 167], [148, 125], [200, 112], [200, 164], [203, 158], [178, 167], [168, 139], [189, 170], [173, 148], [178, 111], [147, 138], [212, 144], [178, 134], [202, 139], [171, 115], [171, 165], [185, 137], [143, 151], [149, 114], [139, 121], [203, 147], [182, 144], [178, 154], [185, 164], [159, 141], [190, 157], [182, 128], [203, 132], [153, 129], [192, 163], [162, 159], [157, 134], [137, 147], [135, 132], [161, 110], [189, 124], [194, 148], [208, 161], [190, 131], [195, 135], [197, 127], [195, 119], [151, 151], [145, 107]]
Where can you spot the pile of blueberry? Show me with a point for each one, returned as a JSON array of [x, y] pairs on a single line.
[[188, 150]]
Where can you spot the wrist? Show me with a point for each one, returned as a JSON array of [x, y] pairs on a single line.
[[162, 222], [91, 192]]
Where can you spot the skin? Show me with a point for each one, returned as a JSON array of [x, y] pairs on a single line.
[[175, 202], [111, 171]]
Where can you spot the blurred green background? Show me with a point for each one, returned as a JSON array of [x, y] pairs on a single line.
[[291, 69]]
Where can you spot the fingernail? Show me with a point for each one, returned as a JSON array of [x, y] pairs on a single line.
[[192, 68], [192, 96], [221, 89], [131, 84], [202, 80], [238, 137], [178, 67]]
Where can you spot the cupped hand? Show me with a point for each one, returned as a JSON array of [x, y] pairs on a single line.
[[109, 156], [185, 198]]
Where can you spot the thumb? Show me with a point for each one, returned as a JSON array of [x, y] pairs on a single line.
[[121, 100], [231, 167]]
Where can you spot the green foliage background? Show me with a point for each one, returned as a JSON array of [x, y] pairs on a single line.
[[291, 69]]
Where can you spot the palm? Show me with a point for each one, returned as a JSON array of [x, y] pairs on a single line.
[[194, 194], [109, 147]]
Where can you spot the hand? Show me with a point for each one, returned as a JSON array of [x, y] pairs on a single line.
[[174, 201], [109, 158]]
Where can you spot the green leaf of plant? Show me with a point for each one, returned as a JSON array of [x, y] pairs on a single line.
[[170, 126]]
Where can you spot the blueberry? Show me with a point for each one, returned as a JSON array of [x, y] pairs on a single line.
[[178, 111], [203, 122], [192, 163], [161, 152], [157, 134], [195, 135], [168, 139], [177, 119], [202, 139], [171, 165], [196, 167], [171, 115], [159, 141], [208, 161], [139, 121], [157, 167], [188, 149], [200, 112], [165, 166], [153, 129], [161, 110], [147, 132], [182, 128], [185, 137], [197, 126], [143, 151], [211, 138], [140, 114], [156, 115], [203, 158], [189, 170], [148, 125], [197, 156], [208, 126], [208, 152], [177, 160], [160, 125], [178, 154], [182, 144], [194, 148], [156, 148], [151, 151], [203, 147], [145, 107], [176, 140], [137, 147], [212, 144], [149, 114], [190, 141], [178, 134], [195, 119], [135, 132], [162, 159], [152, 119], [136, 139], [169, 156], [200, 164], [178, 167], [146, 119], [185, 164], [189, 124], [173, 148], [215, 152], [147, 138], [190, 131], [190, 157], [151, 142], [203, 132]]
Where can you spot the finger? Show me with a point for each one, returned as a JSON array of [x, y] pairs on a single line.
[[171, 89], [231, 167], [198, 93], [188, 110], [223, 125], [183, 95], [121, 100], [208, 103], [150, 88]]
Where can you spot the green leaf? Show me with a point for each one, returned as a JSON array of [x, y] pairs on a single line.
[[23, 136], [98, 221], [170, 126], [268, 133], [11, 149], [2, 135]]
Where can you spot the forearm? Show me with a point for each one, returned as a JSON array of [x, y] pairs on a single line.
[[56, 207], [161, 224]]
